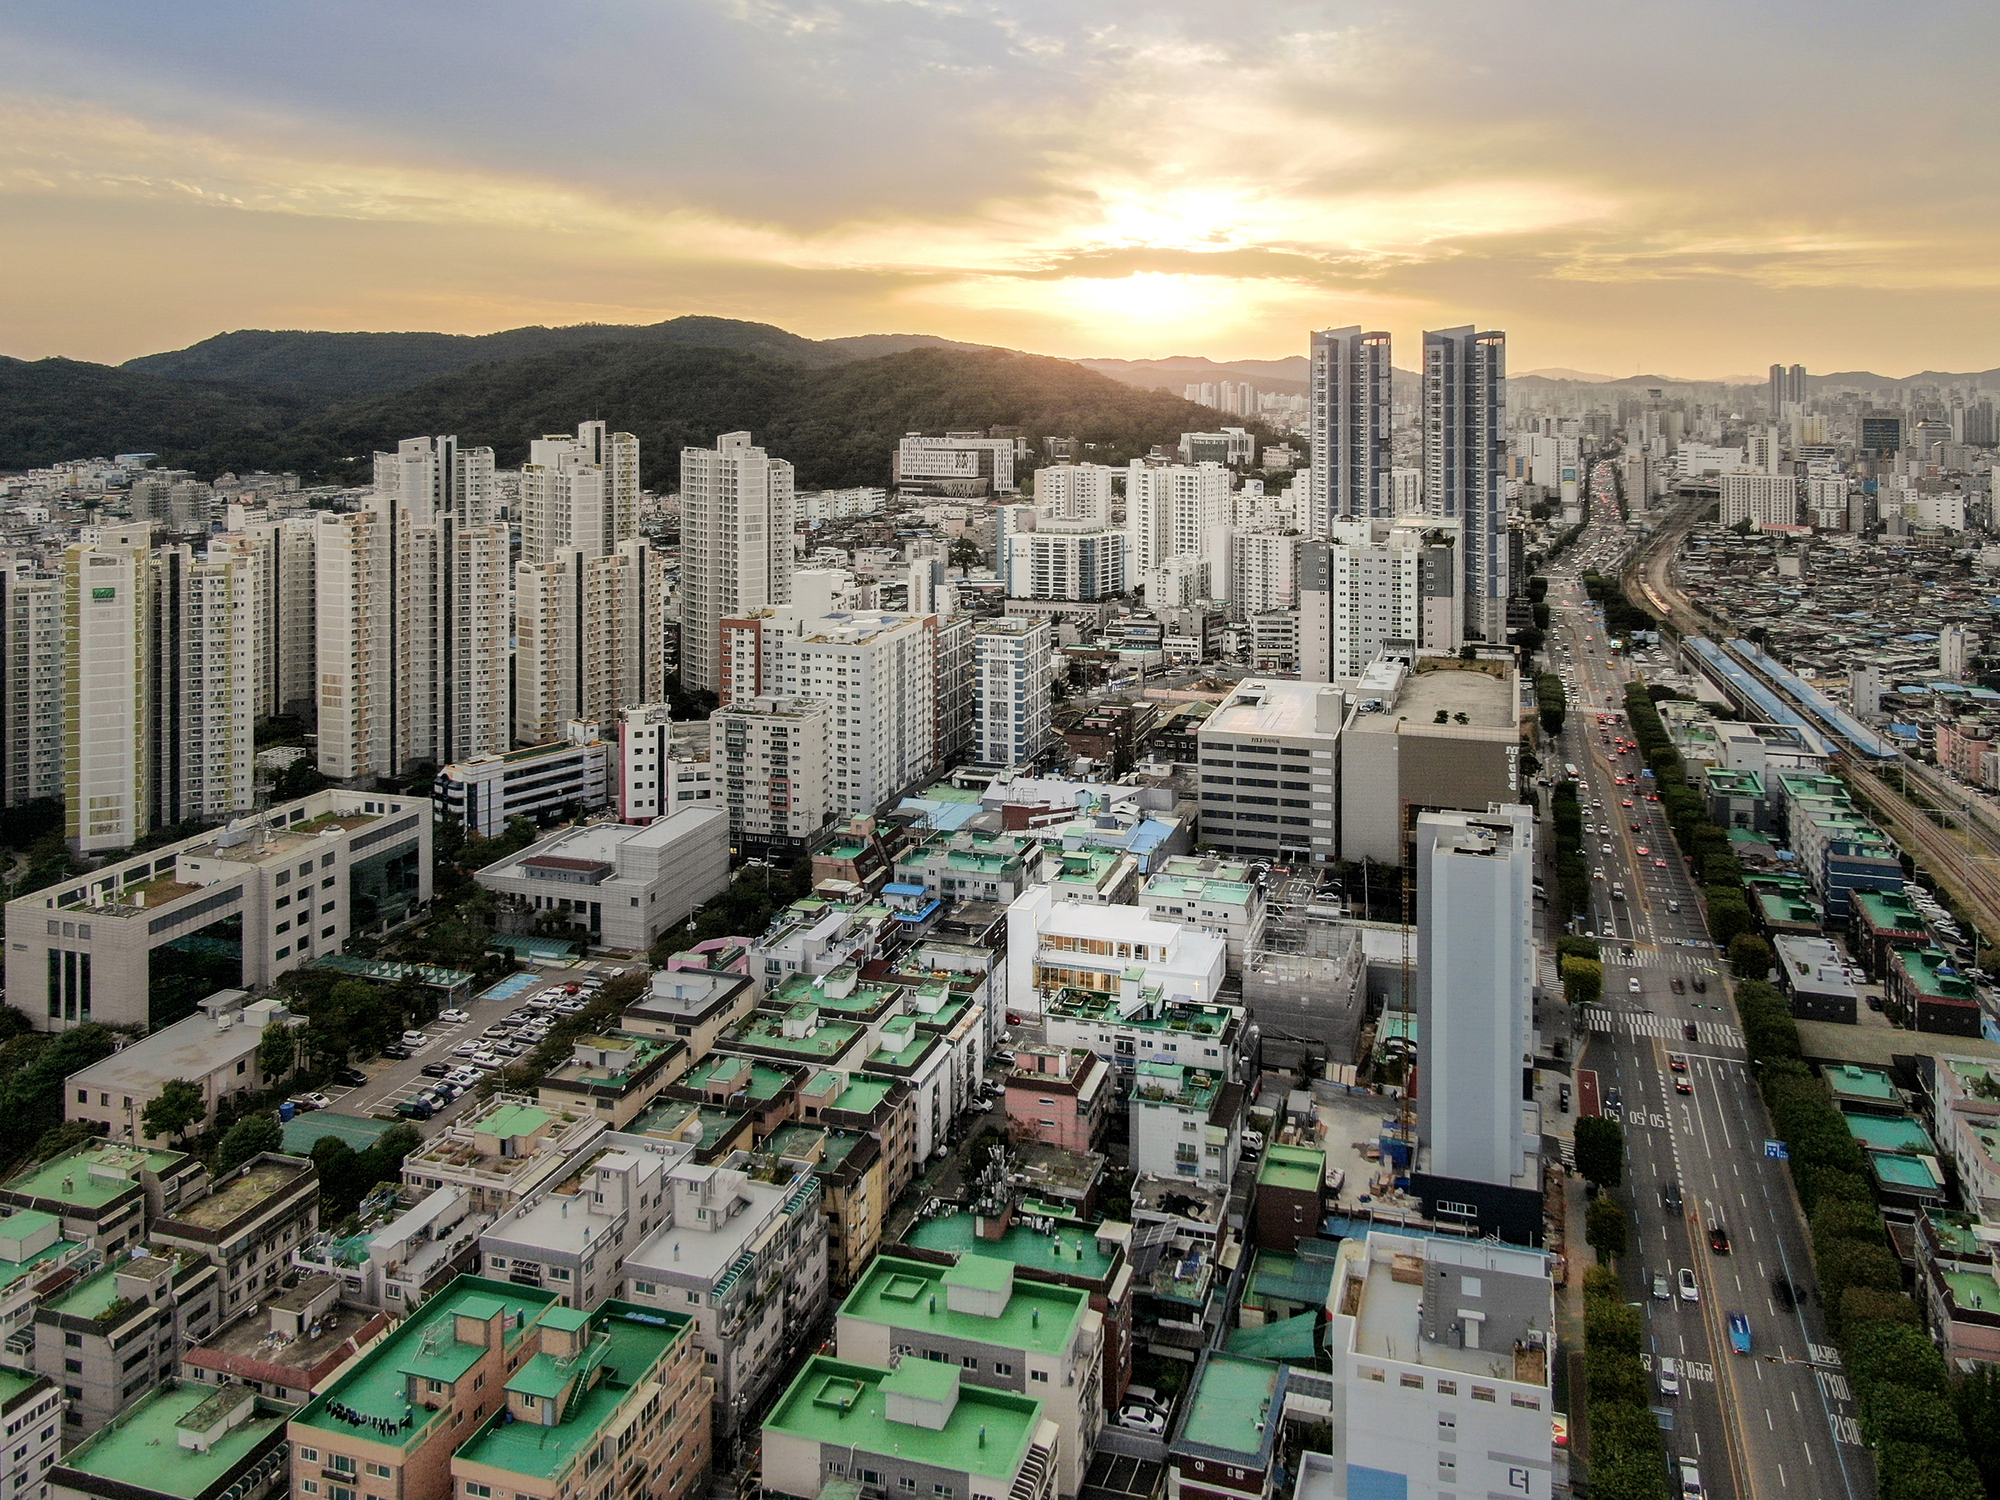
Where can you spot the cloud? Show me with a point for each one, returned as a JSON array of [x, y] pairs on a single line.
[[1155, 173]]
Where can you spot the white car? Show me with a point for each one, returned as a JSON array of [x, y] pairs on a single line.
[[1689, 1291], [462, 1076], [468, 1049], [1134, 1417], [414, 1039], [454, 1017], [488, 1061]]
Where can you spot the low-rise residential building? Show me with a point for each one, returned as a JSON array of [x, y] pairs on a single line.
[[248, 1227], [853, 1191], [33, 1257], [919, 1428], [31, 1418], [571, 773], [1930, 992], [1957, 1285], [617, 1391], [1061, 1097], [1965, 1120], [1092, 875], [1815, 979], [1057, 945], [815, 935], [394, 1417], [182, 1442], [1216, 896], [1881, 920], [879, 1107], [1186, 1123], [1470, 1326], [1132, 1025], [621, 885], [294, 881], [215, 1050], [615, 1075], [1035, 1338], [696, 1005], [503, 1153], [117, 1333], [400, 1258], [287, 1347], [572, 1239], [1228, 1435], [104, 1193], [972, 864], [1291, 1198], [743, 1253]]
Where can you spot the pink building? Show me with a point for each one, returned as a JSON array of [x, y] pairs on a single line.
[[1060, 1097], [1963, 753]]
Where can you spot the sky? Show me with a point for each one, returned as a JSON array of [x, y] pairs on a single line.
[[1694, 190]]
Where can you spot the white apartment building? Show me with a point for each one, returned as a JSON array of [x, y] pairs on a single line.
[[877, 676], [1441, 1354], [1217, 896], [589, 637], [959, 463], [1693, 460], [1476, 963], [579, 494], [281, 553], [771, 759], [1047, 563], [736, 545], [1263, 570], [483, 794], [838, 505], [1010, 707], [1372, 582], [1406, 491], [32, 674], [647, 777], [1176, 511], [107, 753], [300, 877], [1186, 1123], [1078, 493], [207, 671], [743, 1254], [1269, 770], [413, 616], [1055, 945], [1761, 499]]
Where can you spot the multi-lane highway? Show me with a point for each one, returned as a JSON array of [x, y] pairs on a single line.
[[1778, 1421]]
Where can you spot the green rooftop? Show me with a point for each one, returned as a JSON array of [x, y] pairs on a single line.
[[1039, 1317], [512, 1120], [424, 1346], [1888, 1132], [1070, 1250], [21, 1226], [1231, 1409], [1852, 1081], [1296, 1168], [1894, 1169], [764, 1082], [902, 1045], [670, 1117], [1975, 1291], [1888, 911], [846, 1406], [1276, 1277], [92, 1297], [1957, 1234], [141, 1447], [1294, 1339], [862, 1095], [93, 1176], [1923, 970], [766, 1029]]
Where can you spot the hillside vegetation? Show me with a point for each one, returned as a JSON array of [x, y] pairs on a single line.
[[837, 423]]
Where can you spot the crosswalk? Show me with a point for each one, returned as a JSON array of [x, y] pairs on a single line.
[[1629, 1023], [1657, 956]]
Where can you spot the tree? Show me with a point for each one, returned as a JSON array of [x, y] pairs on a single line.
[[1605, 1227], [1600, 1150], [248, 1137], [277, 1050], [1583, 980], [301, 778], [178, 1105], [1750, 956]]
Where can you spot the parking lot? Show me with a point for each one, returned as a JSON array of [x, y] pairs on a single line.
[[449, 1043]]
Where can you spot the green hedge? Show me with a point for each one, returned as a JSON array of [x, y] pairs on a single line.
[[1628, 1458]]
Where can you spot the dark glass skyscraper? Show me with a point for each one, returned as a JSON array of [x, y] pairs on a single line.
[[1350, 426]]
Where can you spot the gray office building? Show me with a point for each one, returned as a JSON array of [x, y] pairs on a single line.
[[1465, 463]]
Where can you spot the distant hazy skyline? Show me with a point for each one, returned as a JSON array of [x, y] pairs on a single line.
[[1696, 190]]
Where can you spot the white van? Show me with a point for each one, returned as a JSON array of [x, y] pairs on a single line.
[[1632, 985]]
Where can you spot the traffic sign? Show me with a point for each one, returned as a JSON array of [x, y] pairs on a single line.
[[1776, 1151]]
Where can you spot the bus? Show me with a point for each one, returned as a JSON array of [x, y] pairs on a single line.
[[1569, 769]]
